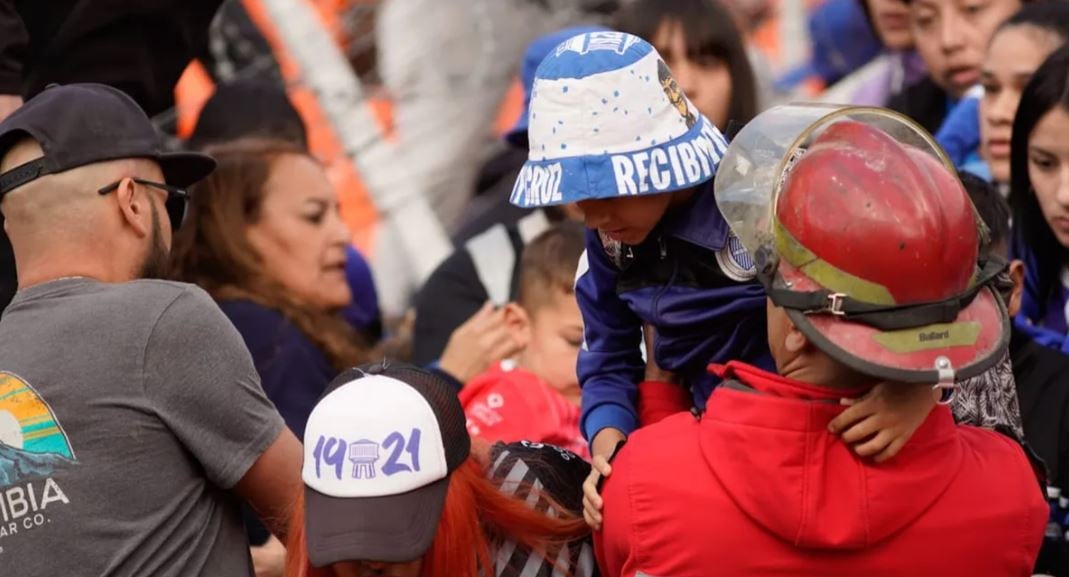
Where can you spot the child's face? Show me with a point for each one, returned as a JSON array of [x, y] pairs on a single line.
[[891, 20], [627, 219], [1014, 55], [952, 36], [556, 333]]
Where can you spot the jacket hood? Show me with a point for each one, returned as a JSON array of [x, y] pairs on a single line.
[[766, 439]]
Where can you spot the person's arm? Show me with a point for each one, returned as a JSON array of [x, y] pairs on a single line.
[[271, 485], [13, 43], [200, 381], [610, 362]]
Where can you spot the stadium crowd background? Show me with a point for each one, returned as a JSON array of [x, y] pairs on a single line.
[[416, 113]]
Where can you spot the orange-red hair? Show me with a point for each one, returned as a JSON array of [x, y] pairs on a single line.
[[476, 514]]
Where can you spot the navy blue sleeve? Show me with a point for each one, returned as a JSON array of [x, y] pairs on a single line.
[[293, 371], [610, 361]]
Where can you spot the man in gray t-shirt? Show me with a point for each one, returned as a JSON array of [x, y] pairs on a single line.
[[131, 415]]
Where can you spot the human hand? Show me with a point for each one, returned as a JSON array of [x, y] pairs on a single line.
[[880, 423], [605, 442], [269, 559], [9, 103], [481, 341]]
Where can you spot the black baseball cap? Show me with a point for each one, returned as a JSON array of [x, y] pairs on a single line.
[[379, 449], [80, 124]]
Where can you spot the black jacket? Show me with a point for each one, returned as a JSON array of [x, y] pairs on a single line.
[[138, 46], [485, 267], [1042, 376]]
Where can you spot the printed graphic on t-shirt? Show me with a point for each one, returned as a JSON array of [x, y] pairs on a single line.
[[33, 447]]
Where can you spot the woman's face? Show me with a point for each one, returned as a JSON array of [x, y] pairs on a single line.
[[952, 37], [705, 80], [1048, 169], [300, 236], [1013, 56], [891, 20], [377, 569]]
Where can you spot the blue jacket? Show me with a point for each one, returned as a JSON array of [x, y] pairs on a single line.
[[682, 281], [960, 133], [1042, 319]]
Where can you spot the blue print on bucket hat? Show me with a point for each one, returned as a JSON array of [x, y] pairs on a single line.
[[607, 120]]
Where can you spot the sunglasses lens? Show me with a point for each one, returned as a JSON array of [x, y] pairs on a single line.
[[176, 211]]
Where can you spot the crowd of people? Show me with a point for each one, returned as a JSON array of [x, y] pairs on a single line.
[[696, 319]]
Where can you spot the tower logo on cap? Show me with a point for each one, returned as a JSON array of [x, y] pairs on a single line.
[[371, 437], [331, 455], [674, 94]]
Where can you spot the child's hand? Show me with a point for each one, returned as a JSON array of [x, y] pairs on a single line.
[[592, 502], [605, 442], [880, 423]]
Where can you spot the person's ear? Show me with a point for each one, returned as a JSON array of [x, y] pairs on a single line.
[[135, 208], [1017, 276], [795, 341], [517, 323]]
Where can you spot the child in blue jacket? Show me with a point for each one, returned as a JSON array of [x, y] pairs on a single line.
[[610, 129]]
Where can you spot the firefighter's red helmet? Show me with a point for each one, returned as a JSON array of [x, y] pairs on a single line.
[[886, 237]]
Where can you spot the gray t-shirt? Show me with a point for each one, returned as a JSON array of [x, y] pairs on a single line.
[[126, 412]]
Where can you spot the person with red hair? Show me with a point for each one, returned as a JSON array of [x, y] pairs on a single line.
[[394, 488]]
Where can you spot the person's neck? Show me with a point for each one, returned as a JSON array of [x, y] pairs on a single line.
[[572, 394], [817, 374], [43, 270]]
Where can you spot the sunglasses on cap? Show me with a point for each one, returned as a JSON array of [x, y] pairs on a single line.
[[176, 204]]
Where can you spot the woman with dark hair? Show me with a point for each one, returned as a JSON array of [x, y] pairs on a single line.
[[265, 240], [1016, 50], [395, 487], [702, 46], [1039, 195]]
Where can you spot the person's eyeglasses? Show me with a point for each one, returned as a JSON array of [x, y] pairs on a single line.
[[177, 199]]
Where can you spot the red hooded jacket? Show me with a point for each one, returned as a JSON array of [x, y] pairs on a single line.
[[516, 405], [758, 486]]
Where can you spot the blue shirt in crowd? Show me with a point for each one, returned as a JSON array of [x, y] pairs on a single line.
[[293, 371]]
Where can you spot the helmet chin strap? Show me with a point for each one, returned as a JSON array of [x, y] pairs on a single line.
[[883, 317]]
